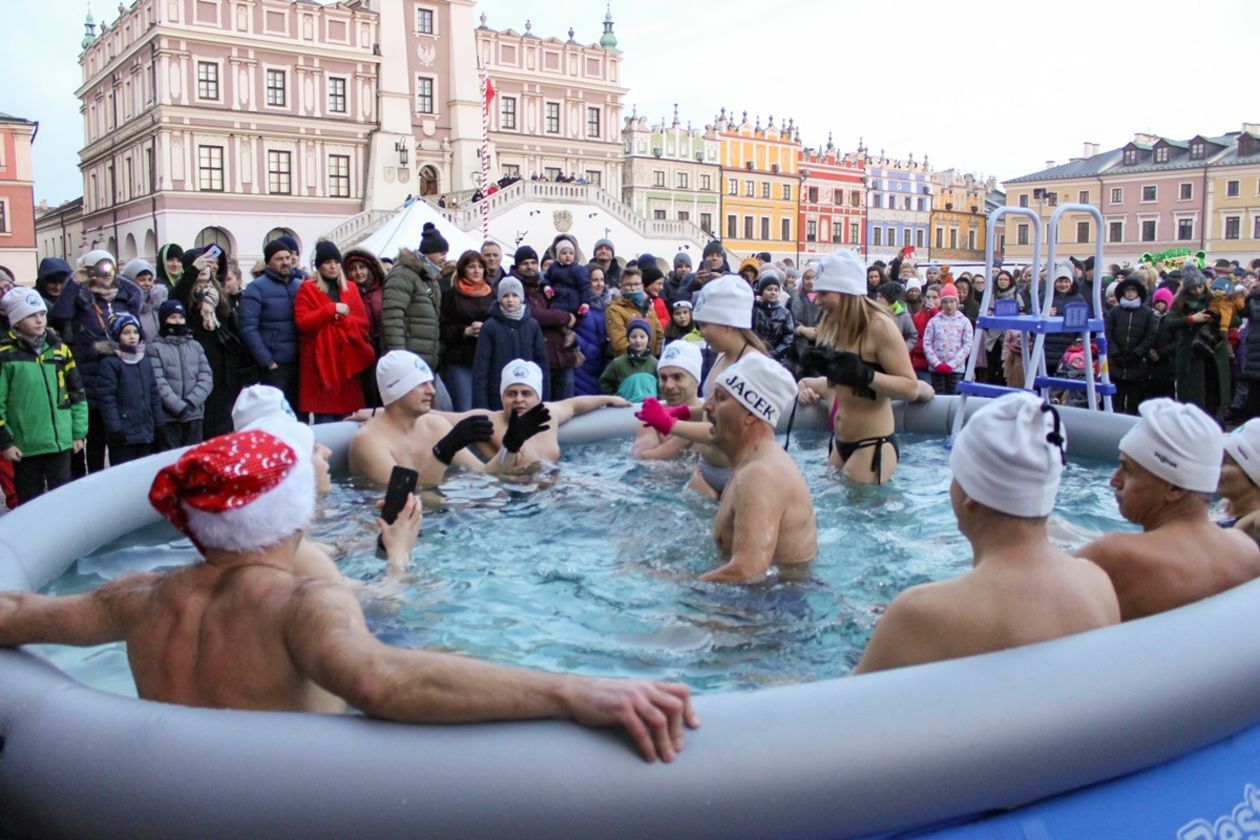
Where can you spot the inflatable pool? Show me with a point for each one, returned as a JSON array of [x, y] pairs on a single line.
[[1141, 730]]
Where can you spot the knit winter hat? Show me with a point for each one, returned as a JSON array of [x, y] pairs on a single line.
[[639, 324], [1063, 269], [135, 268], [1178, 442], [256, 403], [728, 301], [914, 283], [239, 492], [524, 253], [761, 385], [122, 320], [604, 243], [431, 241], [684, 355], [1009, 456], [1165, 295], [949, 290], [21, 302], [1243, 445], [768, 280], [682, 258], [510, 286], [325, 251], [398, 373], [713, 247], [649, 269], [521, 372], [841, 271], [169, 308], [274, 247]]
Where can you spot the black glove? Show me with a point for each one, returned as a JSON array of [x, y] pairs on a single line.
[[116, 440], [841, 368], [522, 427], [469, 430], [814, 361], [189, 408]]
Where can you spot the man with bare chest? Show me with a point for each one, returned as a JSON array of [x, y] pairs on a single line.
[[526, 432], [242, 630], [408, 433], [678, 376], [766, 516]]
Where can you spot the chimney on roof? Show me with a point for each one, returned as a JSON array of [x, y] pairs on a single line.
[[1251, 128], [1145, 139], [1049, 164], [1091, 149]]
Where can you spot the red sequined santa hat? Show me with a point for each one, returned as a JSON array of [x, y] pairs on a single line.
[[240, 492]]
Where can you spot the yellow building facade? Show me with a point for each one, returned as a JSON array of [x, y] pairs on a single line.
[[1077, 231], [958, 218], [1234, 214], [760, 187]]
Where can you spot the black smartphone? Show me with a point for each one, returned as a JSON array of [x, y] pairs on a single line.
[[402, 483]]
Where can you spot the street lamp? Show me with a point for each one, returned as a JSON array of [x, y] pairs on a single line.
[[401, 147]]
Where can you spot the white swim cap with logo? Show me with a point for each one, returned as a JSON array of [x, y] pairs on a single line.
[[1177, 442], [761, 385], [256, 402], [1009, 456], [684, 355], [398, 373], [521, 372]]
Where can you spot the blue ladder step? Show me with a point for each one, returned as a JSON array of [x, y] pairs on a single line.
[[1101, 388], [1034, 325], [980, 389]]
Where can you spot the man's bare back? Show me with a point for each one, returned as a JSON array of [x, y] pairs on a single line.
[[1176, 564], [766, 517], [1027, 594]]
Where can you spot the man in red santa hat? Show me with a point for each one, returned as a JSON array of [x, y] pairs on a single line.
[[241, 630]]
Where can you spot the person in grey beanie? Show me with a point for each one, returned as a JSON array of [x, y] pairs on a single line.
[[679, 281], [605, 256]]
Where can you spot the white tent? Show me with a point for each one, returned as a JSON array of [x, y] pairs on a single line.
[[403, 230]]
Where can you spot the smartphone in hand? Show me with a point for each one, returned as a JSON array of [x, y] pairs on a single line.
[[213, 253], [402, 483]]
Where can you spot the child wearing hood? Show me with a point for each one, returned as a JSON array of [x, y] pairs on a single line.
[[772, 322], [127, 394], [184, 378], [632, 375], [947, 342]]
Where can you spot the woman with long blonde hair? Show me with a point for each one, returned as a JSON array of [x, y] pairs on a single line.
[[865, 365]]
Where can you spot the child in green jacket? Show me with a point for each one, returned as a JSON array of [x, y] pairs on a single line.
[[632, 375], [43, 408]]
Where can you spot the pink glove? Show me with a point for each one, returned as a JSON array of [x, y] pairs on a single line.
[[583, 309], [680, 412], [549, 292], [655, 416], [944, 368]]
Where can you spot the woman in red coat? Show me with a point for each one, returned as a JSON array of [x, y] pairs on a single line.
[[333, 346]]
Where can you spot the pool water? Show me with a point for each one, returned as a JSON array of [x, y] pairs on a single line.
[[594, 571]]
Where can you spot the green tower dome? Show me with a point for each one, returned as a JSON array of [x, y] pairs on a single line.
[[608, 40]]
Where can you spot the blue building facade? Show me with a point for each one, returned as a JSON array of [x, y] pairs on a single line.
[[899, 207]]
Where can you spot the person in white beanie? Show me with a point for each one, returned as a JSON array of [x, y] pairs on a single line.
[[284, 642], [1240, 479], [525, 432], [407, 433], [678, 378], [724, 313], [766, 517], [1007, 462], [1170, 464], [860, 365]]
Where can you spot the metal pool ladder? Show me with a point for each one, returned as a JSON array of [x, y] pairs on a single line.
[[1076, 319]]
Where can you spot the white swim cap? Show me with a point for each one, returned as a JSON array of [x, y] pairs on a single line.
[[841, 271], [1243, 445], [256, 402], [521, 372], [398, 373], [761, 385], [1009, 456], [727, 301], [684, 355], [1177, 442]]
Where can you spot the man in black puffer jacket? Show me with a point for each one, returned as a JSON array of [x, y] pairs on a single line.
[[1131, 332]]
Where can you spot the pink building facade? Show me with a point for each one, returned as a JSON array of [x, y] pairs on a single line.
[[833, 200]]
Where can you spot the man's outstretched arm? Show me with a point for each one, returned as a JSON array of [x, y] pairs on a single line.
[[103, 615], [330, 643]]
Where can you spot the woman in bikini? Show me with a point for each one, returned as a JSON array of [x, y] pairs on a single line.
[[867, 366], [724, 311]]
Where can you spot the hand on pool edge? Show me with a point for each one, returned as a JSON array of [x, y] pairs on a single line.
[[654, 713]]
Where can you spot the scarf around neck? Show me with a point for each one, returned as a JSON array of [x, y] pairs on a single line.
[[471, 289], [130, 357]]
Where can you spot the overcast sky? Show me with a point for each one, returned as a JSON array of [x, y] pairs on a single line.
[[918, 76]]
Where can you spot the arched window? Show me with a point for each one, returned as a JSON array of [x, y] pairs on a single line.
[[129, 249], [214, 236], [150, 245], [428, 181], [276, 233]]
